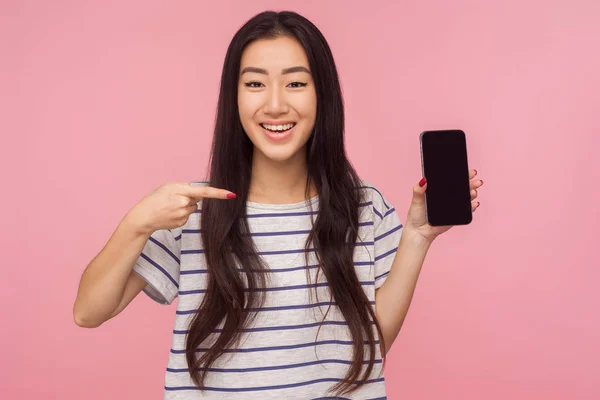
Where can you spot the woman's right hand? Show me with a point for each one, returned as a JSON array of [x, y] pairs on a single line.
[[170, 205]]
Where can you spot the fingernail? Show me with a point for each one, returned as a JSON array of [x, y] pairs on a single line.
[[231, 195], [475, 172], [422, 182], [481, 181]]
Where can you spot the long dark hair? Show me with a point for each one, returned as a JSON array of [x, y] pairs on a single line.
[[224, 225]]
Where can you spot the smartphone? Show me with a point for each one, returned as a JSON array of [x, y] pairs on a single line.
[[445, 166]]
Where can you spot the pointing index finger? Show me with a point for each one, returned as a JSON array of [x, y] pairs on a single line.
[[200, 192]]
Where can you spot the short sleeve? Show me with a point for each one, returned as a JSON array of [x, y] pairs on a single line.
[[159, 265], [387, 232]]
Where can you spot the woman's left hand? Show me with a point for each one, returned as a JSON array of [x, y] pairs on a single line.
[[416, 220]]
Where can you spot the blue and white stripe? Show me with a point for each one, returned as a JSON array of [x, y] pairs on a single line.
[[288, 351]]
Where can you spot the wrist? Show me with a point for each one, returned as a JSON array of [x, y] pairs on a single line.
[[133, 226], [415, 238]]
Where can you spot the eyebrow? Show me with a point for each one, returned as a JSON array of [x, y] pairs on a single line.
[[284, 71]]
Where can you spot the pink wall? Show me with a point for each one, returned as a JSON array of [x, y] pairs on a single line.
[[102, 102]]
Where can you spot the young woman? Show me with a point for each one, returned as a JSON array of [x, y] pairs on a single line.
[[293, 275]]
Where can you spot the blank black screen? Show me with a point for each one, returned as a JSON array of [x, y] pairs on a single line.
[[445, 165]]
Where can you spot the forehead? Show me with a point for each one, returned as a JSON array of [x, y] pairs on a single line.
[[274, 54]]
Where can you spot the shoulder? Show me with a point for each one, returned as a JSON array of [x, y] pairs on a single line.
[[372, 194]]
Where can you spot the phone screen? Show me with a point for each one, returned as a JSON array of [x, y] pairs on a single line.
[[445, 166]]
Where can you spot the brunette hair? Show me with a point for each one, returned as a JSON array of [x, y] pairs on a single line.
[[224, 226]]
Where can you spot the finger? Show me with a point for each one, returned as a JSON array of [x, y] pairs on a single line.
[[421, 186], [472, 173], [200, 192], [192, 201], [419, 190], [476, 183], [191, 208], [474, 206], [473, 194]]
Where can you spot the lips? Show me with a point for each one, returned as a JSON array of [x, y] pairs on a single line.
[[278, 135], [278, 127]]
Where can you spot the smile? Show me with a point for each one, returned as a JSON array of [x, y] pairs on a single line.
[[278, 128], [278, 133]]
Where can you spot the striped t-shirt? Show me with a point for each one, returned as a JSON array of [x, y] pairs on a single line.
[[280, 355]]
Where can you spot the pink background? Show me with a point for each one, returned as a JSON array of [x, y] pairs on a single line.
[[102, 102]]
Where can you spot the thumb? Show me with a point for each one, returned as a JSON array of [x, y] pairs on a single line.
[[419, 191]]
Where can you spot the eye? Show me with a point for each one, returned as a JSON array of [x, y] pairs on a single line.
[[298, 84], [253, 84]]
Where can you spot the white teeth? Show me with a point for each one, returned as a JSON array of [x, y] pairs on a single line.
[[277, 128]]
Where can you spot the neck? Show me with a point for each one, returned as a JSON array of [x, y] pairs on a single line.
[[276, 182]]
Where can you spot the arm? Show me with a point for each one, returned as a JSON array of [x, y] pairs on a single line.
[[111, 280], [109, 283], [393, 298]]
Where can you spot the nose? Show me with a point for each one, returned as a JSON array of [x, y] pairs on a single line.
[[275, 103]]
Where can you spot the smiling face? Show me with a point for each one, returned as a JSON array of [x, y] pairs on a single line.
[[277, 100]]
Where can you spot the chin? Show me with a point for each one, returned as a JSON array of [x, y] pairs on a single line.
[[280, 156], [279, 152]]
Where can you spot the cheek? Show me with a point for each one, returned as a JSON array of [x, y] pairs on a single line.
[[247, 109], [242, 104], [308, 105]]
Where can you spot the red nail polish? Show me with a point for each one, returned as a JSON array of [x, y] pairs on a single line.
[[231, 195], [475, 172], [422, 182]]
